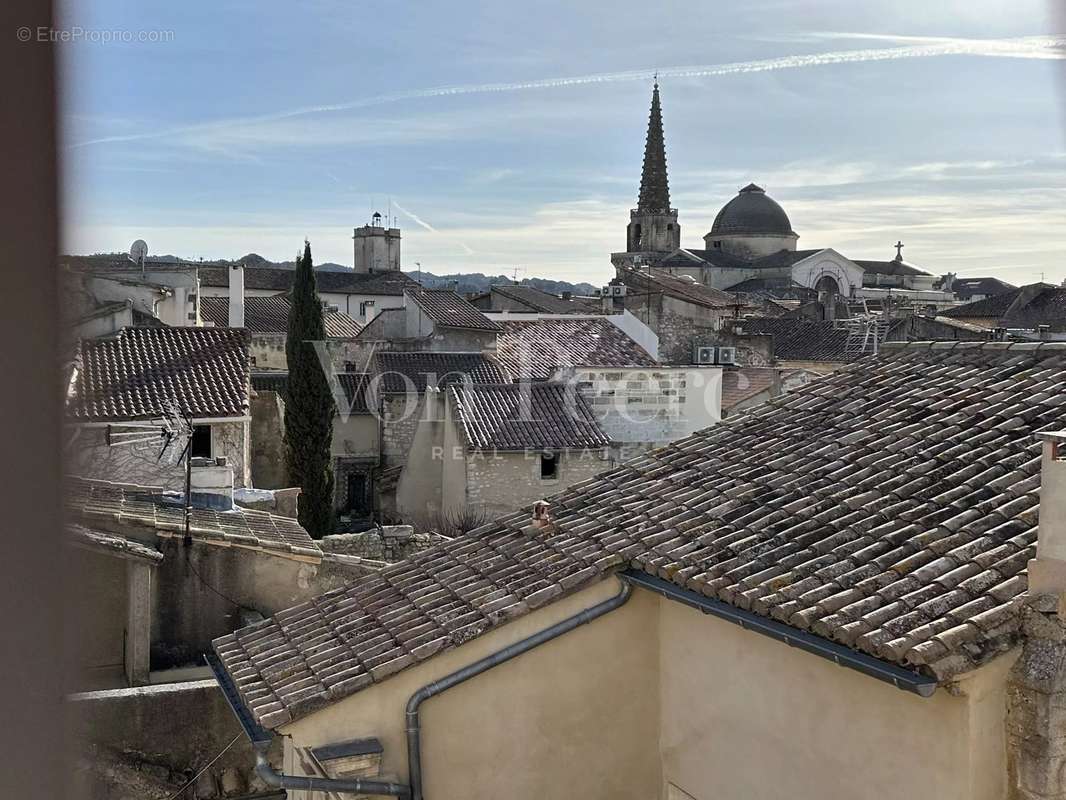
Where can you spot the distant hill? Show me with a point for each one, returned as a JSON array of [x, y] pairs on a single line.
[[474, 282], [464, 283], [252, 260]]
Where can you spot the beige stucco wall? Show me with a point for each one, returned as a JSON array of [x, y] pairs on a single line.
[[574, 718], [657, 700], [355, 436], [747, 718]]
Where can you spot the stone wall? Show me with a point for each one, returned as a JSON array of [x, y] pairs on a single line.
[[268, 441], [680, 326], [399, 423], [89, 456], [500, 482], [146, 743], [389, 543]]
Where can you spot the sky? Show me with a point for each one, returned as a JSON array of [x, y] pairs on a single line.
[[507, 138]]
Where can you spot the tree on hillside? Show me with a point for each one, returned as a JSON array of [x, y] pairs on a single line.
[[310, 408]]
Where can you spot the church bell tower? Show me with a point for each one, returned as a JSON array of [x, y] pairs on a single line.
[[653, 230]]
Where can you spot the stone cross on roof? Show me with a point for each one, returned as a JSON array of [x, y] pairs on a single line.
[[899, 249]]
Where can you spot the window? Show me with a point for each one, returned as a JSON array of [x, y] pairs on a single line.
[[718, 245], [549, 466], [367, 304], [201, 441]]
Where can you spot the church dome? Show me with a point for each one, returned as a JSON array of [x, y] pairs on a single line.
[[752, 212]]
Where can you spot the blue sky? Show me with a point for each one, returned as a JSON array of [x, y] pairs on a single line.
[[258, 123]]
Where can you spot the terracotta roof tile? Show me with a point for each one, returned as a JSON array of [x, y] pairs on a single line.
[[540, 347], [401, 372], [529, 416], [137, 372], [784, 511], [447, 308], [271, 315], [100, 504]]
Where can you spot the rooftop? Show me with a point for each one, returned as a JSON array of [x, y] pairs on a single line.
[[1026, 307], [890, 507], [680, 288], [138, 372], [103, 506], [447, 308], [545, 302], [540, 347], [752, 211], [799, 338], [403, 372], [271, 315], [278, 279], [530, 416]]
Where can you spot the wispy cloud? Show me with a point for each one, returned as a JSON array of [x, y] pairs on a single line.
[[1041, 47]]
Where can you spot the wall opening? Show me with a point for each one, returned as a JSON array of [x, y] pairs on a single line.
[[201, 442], [549, 466]]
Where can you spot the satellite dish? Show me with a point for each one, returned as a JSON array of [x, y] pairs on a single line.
[[138, 251]]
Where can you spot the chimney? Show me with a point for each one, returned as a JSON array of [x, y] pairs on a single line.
[[211, 484], [1047, 572], [236, 296]]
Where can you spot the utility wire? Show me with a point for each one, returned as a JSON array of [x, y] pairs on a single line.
[[192, 780]]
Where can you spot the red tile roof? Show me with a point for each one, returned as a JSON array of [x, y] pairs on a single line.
[[540, 347], [139, 372], [527, 416], [271, 315]]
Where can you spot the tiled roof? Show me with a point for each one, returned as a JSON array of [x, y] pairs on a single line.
[[278, 279], [681, 288], [447, 308], [891, 507], [800, 339], [529, 416], [400, 371], [135, 373], [542, 346], [687, 256], [1026, 307], [890, 267], [782, 258], [740, 384], [356, 387], [271, 315], [111, 544], [100, 504], [545, 302], [966, 288]]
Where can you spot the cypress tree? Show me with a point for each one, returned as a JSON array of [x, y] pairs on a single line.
[[310, 407]]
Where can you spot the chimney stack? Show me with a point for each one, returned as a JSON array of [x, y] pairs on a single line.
[[211, 484], [236, 296], [1047, 572]]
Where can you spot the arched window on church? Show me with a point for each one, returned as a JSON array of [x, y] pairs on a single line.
[[637, 237]]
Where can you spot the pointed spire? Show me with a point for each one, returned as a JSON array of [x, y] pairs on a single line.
[[654, 189]]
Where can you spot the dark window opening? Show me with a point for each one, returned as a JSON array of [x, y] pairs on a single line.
[[718, 245], [357, 499], [669, 226], [549, 466], [637, 236], [201, 441]]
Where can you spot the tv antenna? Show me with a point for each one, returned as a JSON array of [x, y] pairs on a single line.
[[138, 253], [514, 274]]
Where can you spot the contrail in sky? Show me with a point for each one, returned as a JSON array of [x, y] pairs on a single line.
[[1041, 47], [421, 222]]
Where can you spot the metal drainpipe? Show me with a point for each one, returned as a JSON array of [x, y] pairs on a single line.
[[414, 730], [312, 784]]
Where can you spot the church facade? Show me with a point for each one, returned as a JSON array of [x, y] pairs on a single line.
[[752, 247]]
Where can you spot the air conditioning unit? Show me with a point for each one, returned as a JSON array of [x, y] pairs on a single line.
[[618, 291], [604, 291], [703, 355], [727, 355]]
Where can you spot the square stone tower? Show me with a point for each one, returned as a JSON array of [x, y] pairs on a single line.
[[377, 248]]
